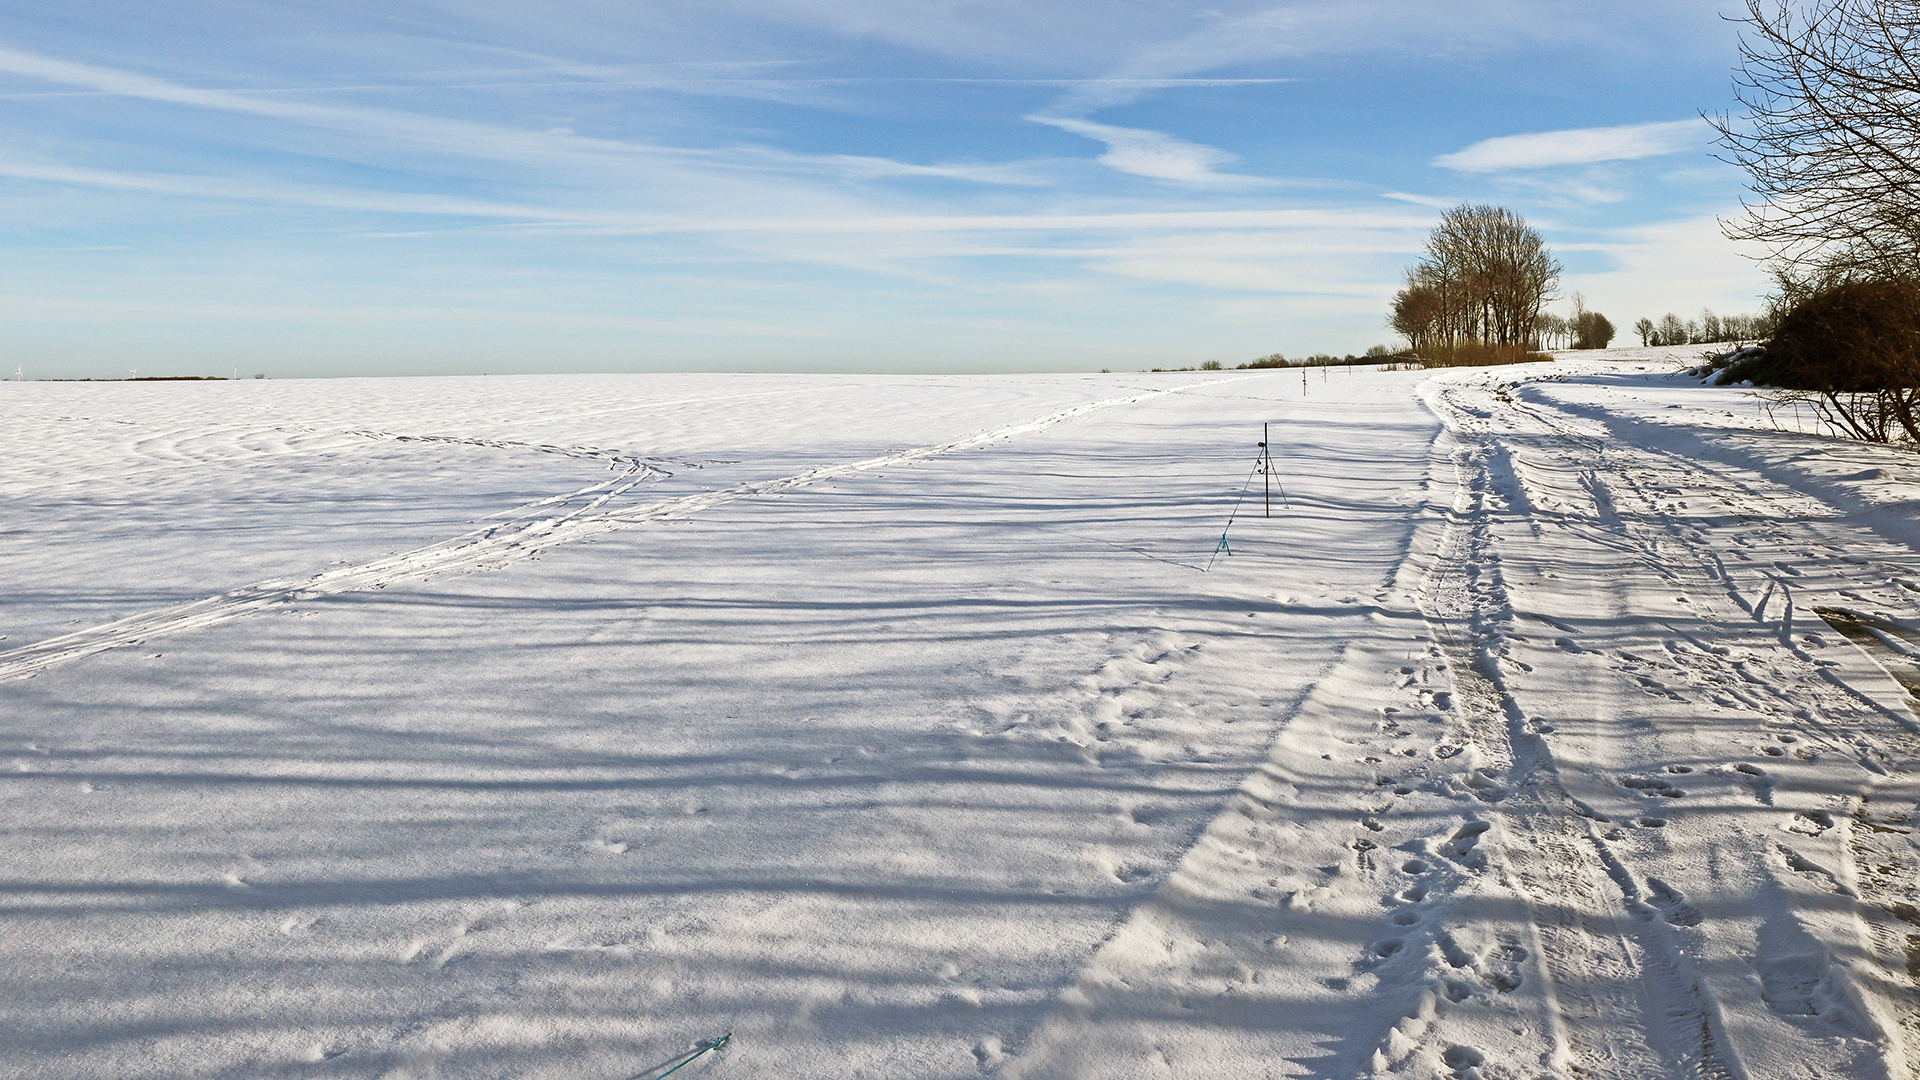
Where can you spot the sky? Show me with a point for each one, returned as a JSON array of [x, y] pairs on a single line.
[[209, 187]]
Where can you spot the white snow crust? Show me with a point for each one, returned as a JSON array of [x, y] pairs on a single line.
[[1559, 722]]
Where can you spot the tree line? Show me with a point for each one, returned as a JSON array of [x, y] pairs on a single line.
[[1708, 329]]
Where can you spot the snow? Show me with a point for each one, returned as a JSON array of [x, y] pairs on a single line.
[[1555, 724]]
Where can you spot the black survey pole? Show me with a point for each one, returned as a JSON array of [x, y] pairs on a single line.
[[1266, 467]]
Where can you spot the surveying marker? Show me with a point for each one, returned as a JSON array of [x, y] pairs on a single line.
[[1267, 470], [1262, 464], [1266, 467]]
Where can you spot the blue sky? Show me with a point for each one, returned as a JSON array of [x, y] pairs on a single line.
[[413, 187]]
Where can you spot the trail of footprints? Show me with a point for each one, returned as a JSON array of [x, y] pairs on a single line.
[[1422, 871]]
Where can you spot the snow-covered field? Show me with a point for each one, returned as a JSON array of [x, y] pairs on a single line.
[[1557, 723]]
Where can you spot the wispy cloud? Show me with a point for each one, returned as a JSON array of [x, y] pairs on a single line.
[[1155, 155], [639, 222], [484, 141], [1578, 146], [279, 193], [1436, 201]]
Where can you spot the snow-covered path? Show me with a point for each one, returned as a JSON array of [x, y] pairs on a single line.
[[1556, 725], [1604, 809]]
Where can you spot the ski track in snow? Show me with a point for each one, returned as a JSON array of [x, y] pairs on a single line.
[[498, 545]]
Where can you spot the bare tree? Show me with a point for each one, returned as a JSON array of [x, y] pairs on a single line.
[[1592, 330], [1552, 330], [1589, 329], [1417, 315], [1832, 138], [1482, 282], [1644, 327]]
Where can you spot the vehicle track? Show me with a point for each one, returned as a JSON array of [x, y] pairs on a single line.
[[1554, 852], [1633, 487]]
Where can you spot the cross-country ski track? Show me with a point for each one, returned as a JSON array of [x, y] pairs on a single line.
[[493, 545], [1562, 725]]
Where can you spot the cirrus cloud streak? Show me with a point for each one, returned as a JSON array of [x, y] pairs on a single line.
[[1578, 146]]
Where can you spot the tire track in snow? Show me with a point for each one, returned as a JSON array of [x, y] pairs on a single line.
[[1553, 851], [1797, 691], [1282, 941], [497, 545]]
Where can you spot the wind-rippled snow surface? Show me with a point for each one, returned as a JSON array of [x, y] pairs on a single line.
[[1558, 723]]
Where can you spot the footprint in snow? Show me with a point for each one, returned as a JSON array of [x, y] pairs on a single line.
[[1461, 847], [1483, 786], [1146, 815], [1651, 787], [1672, 903], [1452, 953], [1800, 864], [1755, 779], [1810, 822], [1505, 979]]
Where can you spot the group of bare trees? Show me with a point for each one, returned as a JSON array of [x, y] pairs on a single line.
[[1708, 329], [1831, 145], [1585, 330], [1477, 292]]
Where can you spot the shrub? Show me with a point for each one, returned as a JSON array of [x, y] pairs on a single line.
[[1476, 354], [1850, 349]]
